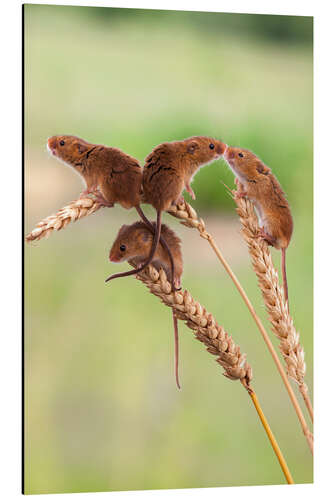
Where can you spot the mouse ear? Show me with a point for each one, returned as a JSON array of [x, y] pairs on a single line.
[[122, 229], [145, 236], [82, 148], [262, 169], [192, 147]]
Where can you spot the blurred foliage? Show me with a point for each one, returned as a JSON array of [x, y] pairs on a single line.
[[136, 81], [284, 29], [102, 409]]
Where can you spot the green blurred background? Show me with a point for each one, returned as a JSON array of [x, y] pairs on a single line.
[[102, 411]]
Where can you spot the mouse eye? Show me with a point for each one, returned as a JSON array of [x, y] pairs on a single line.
[[62, 143], [122, 248], [240, 155], [211, 145]]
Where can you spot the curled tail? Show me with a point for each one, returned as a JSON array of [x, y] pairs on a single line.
[[284, 275], [163, 243], [175, 327]]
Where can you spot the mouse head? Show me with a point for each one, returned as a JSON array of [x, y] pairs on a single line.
[[245, 164], [202, 150], [132, 241], [68, 148]]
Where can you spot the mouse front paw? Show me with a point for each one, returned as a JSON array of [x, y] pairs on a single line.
[[190, 191], [84, 193], [240, 194]]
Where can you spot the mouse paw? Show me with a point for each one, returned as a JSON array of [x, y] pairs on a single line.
[[190, 191], [100, 199], [89, 190], [84, 193], [180, 200], [240, 194], [265, 236]]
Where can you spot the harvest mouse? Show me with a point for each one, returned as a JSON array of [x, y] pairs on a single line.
[[111, 175], [169, 169], [257, 182], [133, 243]]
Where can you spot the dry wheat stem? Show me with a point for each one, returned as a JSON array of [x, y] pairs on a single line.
[[70, 213], [216, 340], [271, 437], [276, 306], [207, 331], [87, 206], [189, 218]]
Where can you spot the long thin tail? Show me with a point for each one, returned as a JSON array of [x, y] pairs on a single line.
[[163, 243], [284, 275], [175, 327], [157, 235], [121, 275]]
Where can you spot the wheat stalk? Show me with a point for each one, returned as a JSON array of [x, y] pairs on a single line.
[[206, 329], [217, 341], [276, 305], [189, 218], [87, 206], [70, 213]]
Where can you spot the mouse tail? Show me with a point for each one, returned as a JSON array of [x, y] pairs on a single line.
[[284, 275], [163, 243], [121, 275], [175, 327], [156, 238]]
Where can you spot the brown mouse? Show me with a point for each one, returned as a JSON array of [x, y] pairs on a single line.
[[168, 170], [257, 182], [111, 175], [133, 243]]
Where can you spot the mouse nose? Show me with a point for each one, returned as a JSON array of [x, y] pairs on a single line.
[[51, 142], [229, 154], [113, 257], [221, 148]]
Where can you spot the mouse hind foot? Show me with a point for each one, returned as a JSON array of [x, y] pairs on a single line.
[[100, 199], [267, 237]]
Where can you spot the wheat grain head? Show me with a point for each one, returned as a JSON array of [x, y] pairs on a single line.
[[275, 303], [70, 213], [282, 323], [204, 325]]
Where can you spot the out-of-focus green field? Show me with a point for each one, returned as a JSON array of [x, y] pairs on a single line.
[[102, 411]]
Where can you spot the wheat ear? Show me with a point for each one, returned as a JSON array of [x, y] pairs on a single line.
[[215, 338], [189, 218], [276, 306], [217, 341], [70, 213], [87, 206]]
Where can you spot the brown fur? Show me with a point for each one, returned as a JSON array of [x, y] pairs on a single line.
[[170, 167], [110, 174], [138, 240], [117, 175], [260, 185]]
